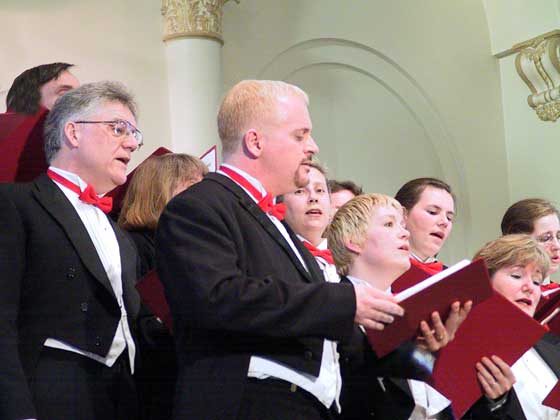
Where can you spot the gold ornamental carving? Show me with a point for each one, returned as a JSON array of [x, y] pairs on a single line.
[[193, 18], [538, 65]]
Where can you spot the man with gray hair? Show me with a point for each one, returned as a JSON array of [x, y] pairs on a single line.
[[67, 272], [255, 323]]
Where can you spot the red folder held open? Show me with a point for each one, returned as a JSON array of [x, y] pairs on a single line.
[[413, 276], [495, 327], [468, 283]]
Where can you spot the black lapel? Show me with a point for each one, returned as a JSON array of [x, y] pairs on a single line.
[[129, 276], [310, 261], [254, 210], [55, 202], [549, 349]]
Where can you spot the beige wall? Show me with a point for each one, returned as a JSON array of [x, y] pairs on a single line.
[[398, 90], [532, 145], [117, 40]]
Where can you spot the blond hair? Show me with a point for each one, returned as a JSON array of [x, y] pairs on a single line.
[[511, 250], [247, 104], [154, 183], [350, 223]]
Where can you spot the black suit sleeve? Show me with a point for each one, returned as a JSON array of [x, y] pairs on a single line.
[[222, 272], [15, 397]]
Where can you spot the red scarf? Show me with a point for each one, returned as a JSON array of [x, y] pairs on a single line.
[[431, 268]]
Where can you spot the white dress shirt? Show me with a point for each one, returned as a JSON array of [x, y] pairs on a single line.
[[326, 386], [103, 237], [534, 380]]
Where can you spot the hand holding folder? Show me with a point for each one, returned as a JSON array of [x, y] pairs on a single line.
[[494, 327], [462, 282]]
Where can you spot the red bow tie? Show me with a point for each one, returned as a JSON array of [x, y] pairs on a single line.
[[87, 196], [322, 253], [277, 210], [265, 203], [431, 268]]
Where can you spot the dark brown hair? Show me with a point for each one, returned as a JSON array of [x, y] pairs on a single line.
[[336, 186], [409, 194], [520, 217], [24, 95]]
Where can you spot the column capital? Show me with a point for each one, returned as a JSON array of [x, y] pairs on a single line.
[[193, 18], [538, 65]]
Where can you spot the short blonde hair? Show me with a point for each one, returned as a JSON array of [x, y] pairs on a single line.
[[153, 185], [248, 103], [350, 223], [511, 250]]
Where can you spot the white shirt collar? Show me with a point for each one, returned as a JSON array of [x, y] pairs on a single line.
[[428, 260]]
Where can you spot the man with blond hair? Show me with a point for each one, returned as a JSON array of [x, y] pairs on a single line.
[[256, 325]]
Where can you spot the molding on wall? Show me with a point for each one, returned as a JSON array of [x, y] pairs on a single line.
[[538, 65], [192, 19], [529, 43]]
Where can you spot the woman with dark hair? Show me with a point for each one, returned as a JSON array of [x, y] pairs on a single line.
[[429, 205], [429, 209], [153, 185], [538, 218]]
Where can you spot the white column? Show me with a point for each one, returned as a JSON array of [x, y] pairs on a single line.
[[193, 43]]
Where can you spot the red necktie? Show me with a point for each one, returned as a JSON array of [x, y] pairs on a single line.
[[316, 252], [265, 203], [87, 196], [430, 268]]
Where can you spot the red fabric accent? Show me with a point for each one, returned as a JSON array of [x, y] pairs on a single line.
[[316, 252], [277, 210], [22, 157], [87, 196], [549, 286], [265, 203], [431, 268]]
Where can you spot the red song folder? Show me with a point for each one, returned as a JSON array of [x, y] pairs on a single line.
[[151, 292], [553, 398], [494, 327], [22, 156], [462, 282], [413, 276]]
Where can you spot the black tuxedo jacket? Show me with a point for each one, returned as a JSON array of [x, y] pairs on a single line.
[[236, 289], [363, 394], [52, 284]]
